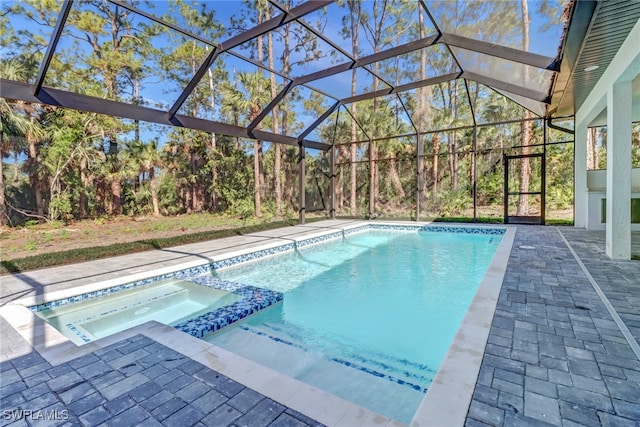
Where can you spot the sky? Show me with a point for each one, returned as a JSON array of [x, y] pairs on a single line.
[[159, 92]]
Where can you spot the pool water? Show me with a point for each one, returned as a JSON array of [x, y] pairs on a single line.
[[369, 318], [169, 301]]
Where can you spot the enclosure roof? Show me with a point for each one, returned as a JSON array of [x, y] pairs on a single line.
[[595, 35], [309, 52]]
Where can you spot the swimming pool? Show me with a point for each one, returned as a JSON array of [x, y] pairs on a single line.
[[367, 317], [456, 375]]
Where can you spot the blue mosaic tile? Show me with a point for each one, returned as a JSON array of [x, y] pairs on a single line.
[[395, 227], [439, 229], [217, 265], [319, 239], [464, 230], [79, 333], [358, 366], [253, 300], [359, 229]]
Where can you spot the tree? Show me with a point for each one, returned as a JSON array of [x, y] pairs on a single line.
[[58, 159], [526, 132], [147, 158], [20, 60], [13, 127], [422, 109], [297, 46], [385, 24], [180, 64], [277, 166], [592, 148], [355, 21], [255, 94], [107, 38]]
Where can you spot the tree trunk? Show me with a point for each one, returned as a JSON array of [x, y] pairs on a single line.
[[453, 160], [376, 173], [153, 183], [16, 164], [436, 150], [197, 192], [353, 195], [116, 189], [354, 7], [193, 184], [376, 33], [256, 179], [340, 185], [214, 175], [82, 196], [102, 204], [188, 203], [276, 128], [3, 202], [423, 105], [287, 188], [453, 138], [261, 178], [526, 128], [212, 153], [525, 165], [199, 196], [34, 179], [394, 176], [592, 149]]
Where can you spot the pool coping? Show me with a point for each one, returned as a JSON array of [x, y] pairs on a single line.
[[446, 402], [449, 395]]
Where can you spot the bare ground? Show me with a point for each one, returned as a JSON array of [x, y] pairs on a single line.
[[44, 238], [37, 239]]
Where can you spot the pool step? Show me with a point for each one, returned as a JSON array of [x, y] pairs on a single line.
[[381, 366], [167, 309], [114, 301], [348, 382], [415, 371]]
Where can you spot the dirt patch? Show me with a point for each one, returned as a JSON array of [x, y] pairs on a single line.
[[46, 238]]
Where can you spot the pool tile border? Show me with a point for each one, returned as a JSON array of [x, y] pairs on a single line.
[[253, 300], [203, 269], [234, 260]]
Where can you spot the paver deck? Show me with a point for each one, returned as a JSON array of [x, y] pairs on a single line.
[[555, 355]]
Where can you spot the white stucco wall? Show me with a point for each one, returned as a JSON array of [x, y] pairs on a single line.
[[597, 185]]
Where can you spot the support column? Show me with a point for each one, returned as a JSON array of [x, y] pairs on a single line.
[[580, 190], [619, 171], [332, 171], [301, 187]]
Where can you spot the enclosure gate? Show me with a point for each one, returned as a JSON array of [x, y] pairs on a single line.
[[524, 205]]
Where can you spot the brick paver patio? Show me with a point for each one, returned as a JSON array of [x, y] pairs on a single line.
[[555, 356], [133, 382]]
